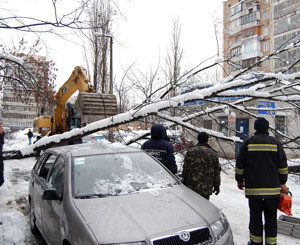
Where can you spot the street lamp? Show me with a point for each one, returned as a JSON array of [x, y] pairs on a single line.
[[97, 34]]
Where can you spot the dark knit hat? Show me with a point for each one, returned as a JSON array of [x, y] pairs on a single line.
[[261, 124], [202, 137]]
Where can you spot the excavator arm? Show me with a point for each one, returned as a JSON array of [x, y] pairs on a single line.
[[77, 81], [91, 106]]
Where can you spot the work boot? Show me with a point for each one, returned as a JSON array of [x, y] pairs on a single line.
[[251, 243]]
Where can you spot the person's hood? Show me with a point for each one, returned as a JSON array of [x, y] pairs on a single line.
[[158, 131]]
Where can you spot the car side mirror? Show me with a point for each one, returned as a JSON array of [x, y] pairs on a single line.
[[179, 177], [51, 194]]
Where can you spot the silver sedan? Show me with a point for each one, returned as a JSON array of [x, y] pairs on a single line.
[[113, 194]]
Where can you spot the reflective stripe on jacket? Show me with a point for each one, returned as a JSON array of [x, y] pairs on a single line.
[[262, 166]]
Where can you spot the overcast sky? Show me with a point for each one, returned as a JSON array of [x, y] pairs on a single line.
[[142, 36]]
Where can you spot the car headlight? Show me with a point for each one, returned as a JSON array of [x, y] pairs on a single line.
[[220, 226]]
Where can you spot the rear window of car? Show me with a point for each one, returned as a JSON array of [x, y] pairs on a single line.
[[118, 174]]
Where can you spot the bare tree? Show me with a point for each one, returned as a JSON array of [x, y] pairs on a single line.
[[262, 86], [145, 82], [246, 86], [174, 57], [74, 19], [101, 14], [122, 90]]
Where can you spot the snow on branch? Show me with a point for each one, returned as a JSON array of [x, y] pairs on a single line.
[[179, 121], [156, 108], [12, 58]]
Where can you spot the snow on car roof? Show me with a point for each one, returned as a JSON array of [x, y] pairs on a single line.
[[94, 148]]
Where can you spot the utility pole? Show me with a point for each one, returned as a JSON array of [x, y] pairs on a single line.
[[111, 66], [110, 130], [110, 60]]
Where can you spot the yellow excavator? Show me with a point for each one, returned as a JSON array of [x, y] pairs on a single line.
[[89, 107]]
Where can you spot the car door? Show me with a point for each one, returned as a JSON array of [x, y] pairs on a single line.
[[40, 185], [52, 209], [35, 189]]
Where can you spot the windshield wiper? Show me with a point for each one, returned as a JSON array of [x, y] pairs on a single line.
[[93, 196]]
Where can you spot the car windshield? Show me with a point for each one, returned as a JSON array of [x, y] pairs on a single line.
[[117, 174]]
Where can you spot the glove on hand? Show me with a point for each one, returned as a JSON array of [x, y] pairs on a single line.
[[216, 190], [284, 189]]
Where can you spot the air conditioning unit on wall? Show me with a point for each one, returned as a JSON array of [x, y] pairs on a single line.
[[261, 37]]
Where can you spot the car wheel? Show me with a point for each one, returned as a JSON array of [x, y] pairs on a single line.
[[33, 227]]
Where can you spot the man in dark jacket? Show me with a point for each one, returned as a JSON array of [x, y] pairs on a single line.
[[1, 157], [201, 168], [261, 168], [30, 135], [161, 149]]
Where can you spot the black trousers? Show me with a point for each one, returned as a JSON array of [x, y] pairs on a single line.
[[1, 171], [268, 207]]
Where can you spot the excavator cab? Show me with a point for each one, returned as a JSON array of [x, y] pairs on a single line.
[[42, 125], [73, 116]]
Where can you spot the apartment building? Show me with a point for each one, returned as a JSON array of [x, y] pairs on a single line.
[[17, 112], [286, 27], [252, 31], [255, 29], [20, 107]]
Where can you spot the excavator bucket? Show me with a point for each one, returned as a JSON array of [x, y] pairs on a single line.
[[95, 106]]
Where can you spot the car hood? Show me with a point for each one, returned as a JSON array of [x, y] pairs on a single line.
[[135, 217]]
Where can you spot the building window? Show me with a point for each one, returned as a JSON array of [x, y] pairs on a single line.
[[235, 51], [207, 124], [235, 9], [266, 63], [223, 125], [266, 15], [235, 26], [266, 1], [249, 62], [266, 46], [249, 18], [280, 125], [266, 30], [235, 66]]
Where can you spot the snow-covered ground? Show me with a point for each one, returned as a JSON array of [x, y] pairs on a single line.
[[14, 207]]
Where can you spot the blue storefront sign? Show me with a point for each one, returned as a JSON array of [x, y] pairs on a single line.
[[266, 104]]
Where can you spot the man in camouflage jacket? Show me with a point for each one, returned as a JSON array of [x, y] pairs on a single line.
[[201, 168]]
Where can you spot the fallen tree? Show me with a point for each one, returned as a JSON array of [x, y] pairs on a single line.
[[245, 88]]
